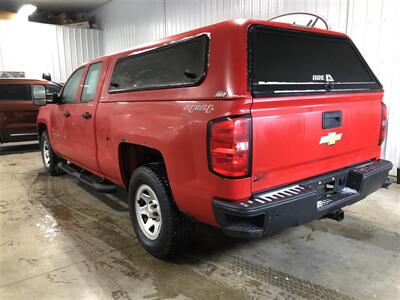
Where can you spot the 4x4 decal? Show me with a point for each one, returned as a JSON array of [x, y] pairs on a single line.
[[207, 108]]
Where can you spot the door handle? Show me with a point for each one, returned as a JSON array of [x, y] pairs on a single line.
[[67, 114], [86, 115]]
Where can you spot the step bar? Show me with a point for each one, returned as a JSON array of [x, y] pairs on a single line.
[[103, 186]]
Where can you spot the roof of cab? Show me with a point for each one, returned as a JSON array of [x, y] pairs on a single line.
[[235, 24], [24, 81]]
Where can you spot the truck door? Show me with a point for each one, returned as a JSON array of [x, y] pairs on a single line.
[[17, 113], [61, 114], [83, 118]]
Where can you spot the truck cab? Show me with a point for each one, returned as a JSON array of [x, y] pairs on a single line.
[[251, 126], [17, 112]]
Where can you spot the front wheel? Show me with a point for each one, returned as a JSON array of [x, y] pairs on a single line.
[[159, 226], [50, 159]]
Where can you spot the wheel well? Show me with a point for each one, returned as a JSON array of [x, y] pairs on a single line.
[[41, 128], [132, 156]]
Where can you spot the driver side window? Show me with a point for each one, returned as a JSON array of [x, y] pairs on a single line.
[[71, 87]]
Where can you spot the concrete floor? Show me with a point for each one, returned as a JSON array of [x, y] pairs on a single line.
[[61, 240]]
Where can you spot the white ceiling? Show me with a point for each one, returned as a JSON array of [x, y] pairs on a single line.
[[54, 5]]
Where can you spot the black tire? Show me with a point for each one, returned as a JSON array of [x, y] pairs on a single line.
[[50, 162], [176, 229]]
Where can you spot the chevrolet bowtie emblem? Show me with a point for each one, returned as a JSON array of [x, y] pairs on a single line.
[[331, 138]]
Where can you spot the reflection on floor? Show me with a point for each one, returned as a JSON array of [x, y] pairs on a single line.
[[60, 239]]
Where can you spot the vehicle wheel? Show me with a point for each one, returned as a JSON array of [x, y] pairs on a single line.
[[50, 159], [160, 227]]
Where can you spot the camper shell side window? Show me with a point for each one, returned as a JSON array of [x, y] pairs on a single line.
[[178, 64]]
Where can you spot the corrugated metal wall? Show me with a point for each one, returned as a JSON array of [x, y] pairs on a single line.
[[374, 25], [127, 23], [36, 48]]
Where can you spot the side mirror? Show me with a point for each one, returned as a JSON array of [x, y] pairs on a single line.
[[39, 94], [46, 76], [55, 98]]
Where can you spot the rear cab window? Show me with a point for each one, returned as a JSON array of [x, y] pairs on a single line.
[[15, 92], [70, 89], [91, 81], [178, 64], [289, 62]]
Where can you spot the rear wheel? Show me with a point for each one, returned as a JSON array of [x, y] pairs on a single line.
[[50, 159], [159, 226], [147, 210]]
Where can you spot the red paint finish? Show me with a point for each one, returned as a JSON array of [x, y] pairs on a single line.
[[285, 131]]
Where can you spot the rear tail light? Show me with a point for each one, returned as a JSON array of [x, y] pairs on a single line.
[[383, 124], [229, 143]]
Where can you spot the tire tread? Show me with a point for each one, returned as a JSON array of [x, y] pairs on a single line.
[[180, 226], [53, 170]]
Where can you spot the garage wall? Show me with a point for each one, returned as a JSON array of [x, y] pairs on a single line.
[[374, 25], [36, 48]]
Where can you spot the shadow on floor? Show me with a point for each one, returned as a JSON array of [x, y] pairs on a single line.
[[216, 241], [114, 222], [99, 225], [7, 149]]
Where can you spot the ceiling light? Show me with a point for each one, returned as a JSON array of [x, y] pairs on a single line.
[[26, 10]]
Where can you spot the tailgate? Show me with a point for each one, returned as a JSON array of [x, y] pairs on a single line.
[[316, 105], [290, 143]]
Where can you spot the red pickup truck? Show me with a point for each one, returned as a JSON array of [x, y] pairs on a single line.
[[251, 126]]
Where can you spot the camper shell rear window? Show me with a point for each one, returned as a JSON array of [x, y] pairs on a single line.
[[286, 62]]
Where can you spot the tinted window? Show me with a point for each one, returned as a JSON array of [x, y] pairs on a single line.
[[15, 92], [293, 62], [179, 64], [52, 88], [71, 87], [90, 84]]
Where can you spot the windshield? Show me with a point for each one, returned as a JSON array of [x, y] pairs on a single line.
[[288, 62]]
